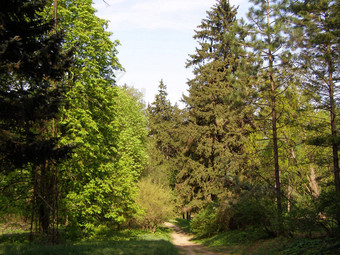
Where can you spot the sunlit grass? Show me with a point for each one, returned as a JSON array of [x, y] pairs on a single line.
[[94, 248], [257, 242], [104, 242]]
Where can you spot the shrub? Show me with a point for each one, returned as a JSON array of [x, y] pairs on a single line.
[[157, 203], [212, 219], [205, 222], [252, 213]]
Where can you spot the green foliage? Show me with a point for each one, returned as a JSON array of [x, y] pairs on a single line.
[[106, 184], [329, 205], [256, 242], [157, 203], [247, 212], [184, 224], [219, 113], [107, 242], [32, 60], [33, 64], [163, 139], [316, 37], [311, 247], [106, 124], [205, 223], [253, 213], [97, 248]]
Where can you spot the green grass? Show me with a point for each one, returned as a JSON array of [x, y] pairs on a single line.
[[183, 224], [94, 248], [256, 242], [104, 242], [252, 243]]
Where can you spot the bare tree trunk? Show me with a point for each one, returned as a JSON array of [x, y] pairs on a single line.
[[274, 127], [334, 136], [44, 210], [34, 202]]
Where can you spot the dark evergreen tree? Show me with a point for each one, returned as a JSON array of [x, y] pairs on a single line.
[[32, 60], [162, 137], [218, 106]]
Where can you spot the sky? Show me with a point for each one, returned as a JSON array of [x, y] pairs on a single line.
[[156, 39]]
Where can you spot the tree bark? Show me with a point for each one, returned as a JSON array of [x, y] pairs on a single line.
[[334, 132], [274, 127]]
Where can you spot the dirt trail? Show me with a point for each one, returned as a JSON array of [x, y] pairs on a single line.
[[186, 247]]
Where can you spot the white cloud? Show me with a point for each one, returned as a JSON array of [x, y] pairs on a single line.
[[172, 6], [153, 14], [157, 37]]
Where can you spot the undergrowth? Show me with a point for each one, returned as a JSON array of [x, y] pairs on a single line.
[[104, 241], [257, 242]]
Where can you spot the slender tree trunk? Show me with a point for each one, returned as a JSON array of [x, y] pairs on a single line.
[[54, 178], [34, 202], [334, 132], [274, 126], [44, 210], [276, 160], [188, 215], [335, 153]]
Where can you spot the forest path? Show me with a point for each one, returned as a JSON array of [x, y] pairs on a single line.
[[186, 247]]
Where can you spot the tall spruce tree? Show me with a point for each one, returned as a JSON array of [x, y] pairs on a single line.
[[161, 137], [32, 62], [31, 59], [218, 109]]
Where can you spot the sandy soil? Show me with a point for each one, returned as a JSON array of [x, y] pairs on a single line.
[[184, 244]]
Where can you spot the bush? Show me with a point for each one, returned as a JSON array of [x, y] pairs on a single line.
[[212, 219], [315, 215], [253, 213], [157, 203], [329, 207], [204, 223]]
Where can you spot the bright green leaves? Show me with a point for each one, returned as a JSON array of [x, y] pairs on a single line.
[[156, 202], [105, 123], [110, 157]]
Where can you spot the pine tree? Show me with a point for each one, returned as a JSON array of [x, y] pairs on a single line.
[[268, 25], [217, 103], [316, 35]]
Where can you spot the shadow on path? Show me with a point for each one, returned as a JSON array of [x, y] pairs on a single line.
[[183, 242]]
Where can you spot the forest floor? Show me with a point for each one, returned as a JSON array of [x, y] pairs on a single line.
[[184, 243], [14, 240], [251, 242]]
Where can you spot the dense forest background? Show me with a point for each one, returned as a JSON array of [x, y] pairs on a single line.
[[255, 147]]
